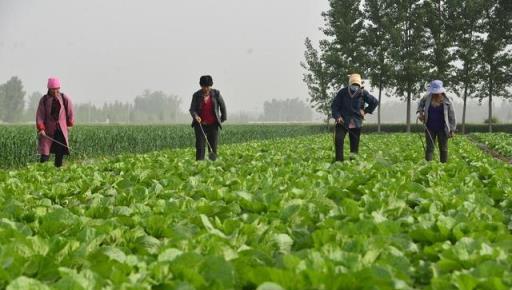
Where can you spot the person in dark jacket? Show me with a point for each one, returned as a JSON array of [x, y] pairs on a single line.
[[208, 112], [349, 107], [435, 110]]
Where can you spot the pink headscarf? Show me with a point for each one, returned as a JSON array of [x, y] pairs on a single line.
[[53, 83]]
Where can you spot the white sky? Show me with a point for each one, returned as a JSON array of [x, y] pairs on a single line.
[[106, 50]]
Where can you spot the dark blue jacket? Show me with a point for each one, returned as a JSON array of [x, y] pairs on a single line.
[[349, 107]]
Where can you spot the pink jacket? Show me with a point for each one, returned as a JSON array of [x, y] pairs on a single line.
[[46, 123]]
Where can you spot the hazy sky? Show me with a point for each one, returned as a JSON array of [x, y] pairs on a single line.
[[105, 50]]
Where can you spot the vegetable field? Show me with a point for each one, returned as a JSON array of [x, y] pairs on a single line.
[[18, 142], [270, 214], [501, 142]]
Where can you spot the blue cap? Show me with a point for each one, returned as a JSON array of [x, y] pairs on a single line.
[[436, 87]]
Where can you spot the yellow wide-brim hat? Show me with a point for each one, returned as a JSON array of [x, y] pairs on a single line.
[[355, 79]]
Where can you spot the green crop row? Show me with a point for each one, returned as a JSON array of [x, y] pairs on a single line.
[[19, 143], [500, 142], [275, 214]]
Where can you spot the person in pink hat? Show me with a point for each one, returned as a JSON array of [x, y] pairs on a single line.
[[54, 117]]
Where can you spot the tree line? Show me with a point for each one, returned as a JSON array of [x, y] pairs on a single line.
[[399, 46], [150, 107]]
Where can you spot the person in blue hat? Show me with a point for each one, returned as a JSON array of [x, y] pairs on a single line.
[[435, 111]]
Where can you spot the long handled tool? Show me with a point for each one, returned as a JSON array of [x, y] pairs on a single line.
[[429, 136], [77, 152], [57, 142], [358, 137], [421, 138], [211, 154]]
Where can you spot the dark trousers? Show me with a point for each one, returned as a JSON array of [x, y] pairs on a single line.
[[57, 149], [212, 134], [354, 136], [59, 159], [442, 139]]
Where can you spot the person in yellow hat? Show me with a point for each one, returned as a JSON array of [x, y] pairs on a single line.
[[349, 107]]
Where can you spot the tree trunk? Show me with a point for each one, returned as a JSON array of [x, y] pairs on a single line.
[[408, 121], [380, 105], [464, 109], [490, 107]]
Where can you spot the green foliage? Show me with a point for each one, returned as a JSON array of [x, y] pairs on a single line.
[[289, 110], [377, 45], [440, 41], [403, 45], [273, 214], [93, 141], [465, 29], [342, 48], [495, 52], [501, 142], [12, 100], [151, 107], [317, 80], [32, 103], [19, 144], [494, 120]]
